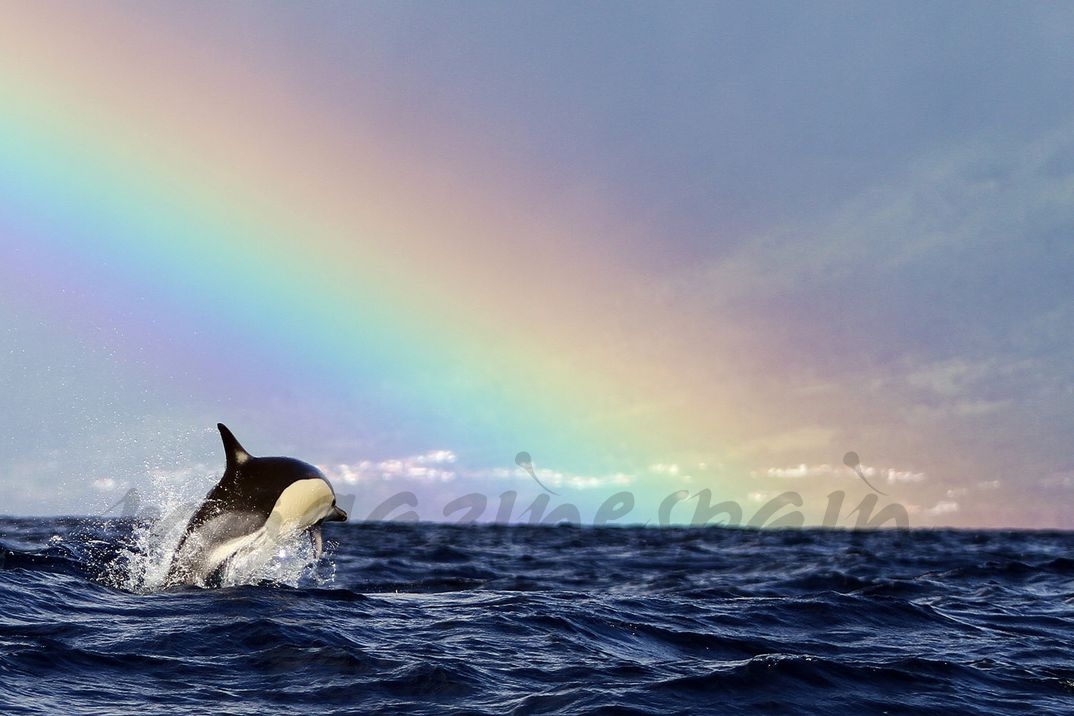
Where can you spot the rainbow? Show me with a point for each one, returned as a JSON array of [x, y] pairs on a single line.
[[185, 193]]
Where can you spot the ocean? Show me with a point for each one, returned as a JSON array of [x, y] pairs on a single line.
[[431, 619]]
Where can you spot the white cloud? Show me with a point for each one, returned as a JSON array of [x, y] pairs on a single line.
[[583, 483], [802, 470], [579, 482], [943, 507], [552, 478], [894, 476], [427, 467]]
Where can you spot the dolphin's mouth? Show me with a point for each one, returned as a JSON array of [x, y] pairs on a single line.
[[336, 515]]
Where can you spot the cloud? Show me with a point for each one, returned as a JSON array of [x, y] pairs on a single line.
[[802, 470], [943, 507], [432, 466], [894, 476], [442, 466], [555, 478]]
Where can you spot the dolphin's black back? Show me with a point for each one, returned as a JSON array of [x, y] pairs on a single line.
[[252, 487]]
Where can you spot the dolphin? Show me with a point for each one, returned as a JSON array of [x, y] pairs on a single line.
[[258, 502]]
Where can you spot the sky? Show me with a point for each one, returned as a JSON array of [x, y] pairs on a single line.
[[693, 252]]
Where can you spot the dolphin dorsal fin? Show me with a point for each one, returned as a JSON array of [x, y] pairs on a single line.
[[236, 453]]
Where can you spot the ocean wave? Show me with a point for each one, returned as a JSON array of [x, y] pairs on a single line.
[[436, 619]]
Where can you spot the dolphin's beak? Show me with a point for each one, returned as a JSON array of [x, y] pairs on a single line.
[[336, 515]]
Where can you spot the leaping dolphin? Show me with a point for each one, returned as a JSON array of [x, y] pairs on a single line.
[[258, 501]]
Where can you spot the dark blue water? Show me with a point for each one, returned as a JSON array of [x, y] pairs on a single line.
[[431, 619]]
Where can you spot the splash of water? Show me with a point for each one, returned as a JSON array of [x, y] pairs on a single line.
[[141, 563]]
